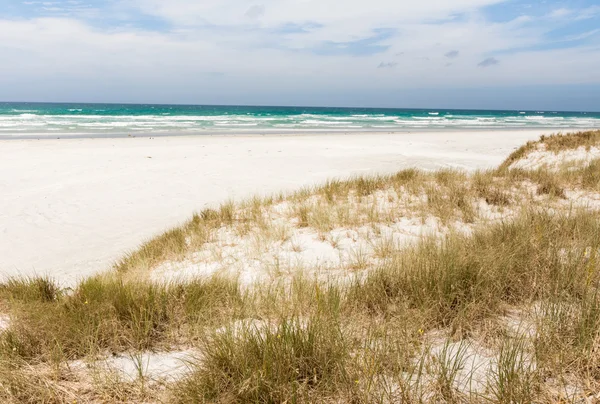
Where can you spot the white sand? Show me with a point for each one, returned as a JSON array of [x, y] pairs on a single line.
[[166, 366], [342, 254], [541, 158], [4, 322], [69, 208]]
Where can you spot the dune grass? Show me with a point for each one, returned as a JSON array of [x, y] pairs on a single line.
[[448, 195], [107, 314], [290, 361], [403, 332], [333, 343], [458, 286], [555, 143]]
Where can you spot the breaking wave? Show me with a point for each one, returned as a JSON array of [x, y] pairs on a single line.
[[97, 120]]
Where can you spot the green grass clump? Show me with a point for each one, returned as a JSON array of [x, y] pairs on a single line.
[[31, 290], [515, 379], [448, 364], [290, 361], [109, 314]]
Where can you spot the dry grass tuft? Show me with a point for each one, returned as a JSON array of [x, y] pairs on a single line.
[[555, 143], [550, 185], [293, 360], [169, 245], [591, 176], [560, 142]]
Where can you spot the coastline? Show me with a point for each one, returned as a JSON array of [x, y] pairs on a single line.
[[71, 208], [75, 120], [282, 132]]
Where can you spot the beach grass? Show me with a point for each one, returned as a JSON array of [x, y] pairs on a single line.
[[498, 302], [555, 143]]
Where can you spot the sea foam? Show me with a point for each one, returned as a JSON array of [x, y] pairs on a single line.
[[107, 119]]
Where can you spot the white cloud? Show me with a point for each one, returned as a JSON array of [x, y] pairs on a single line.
[[588, 12], [583, 35], [230, 47], [560, 13], [574, 14], [342, 21]]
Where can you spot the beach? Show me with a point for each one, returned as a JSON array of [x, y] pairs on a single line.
[[71, 207], [293, 201], [405, 240]]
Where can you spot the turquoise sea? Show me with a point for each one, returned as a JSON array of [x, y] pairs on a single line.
[[24, 120]]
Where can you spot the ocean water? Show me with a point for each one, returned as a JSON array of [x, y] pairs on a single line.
[[96, 120]]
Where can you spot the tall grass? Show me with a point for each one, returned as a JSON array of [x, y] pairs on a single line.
[[568, 333], [109, 314], [515, 379], [467, 278], [449, 363], [31, 290], [291, 361], [311, 346], [367, 340], [454, 285]]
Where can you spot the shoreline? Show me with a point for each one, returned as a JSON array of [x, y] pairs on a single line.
[[279, 133], [71, 208]]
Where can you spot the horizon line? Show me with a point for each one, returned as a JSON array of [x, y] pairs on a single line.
[[537, 110]]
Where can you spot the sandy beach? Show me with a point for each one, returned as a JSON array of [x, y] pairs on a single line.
[[69, 208]]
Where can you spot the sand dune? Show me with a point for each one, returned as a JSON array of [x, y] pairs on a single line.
[[69, 208]]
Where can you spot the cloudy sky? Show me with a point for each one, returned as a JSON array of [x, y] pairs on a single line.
[[397, 53]]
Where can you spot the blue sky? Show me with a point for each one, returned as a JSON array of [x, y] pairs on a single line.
[[396, 53]]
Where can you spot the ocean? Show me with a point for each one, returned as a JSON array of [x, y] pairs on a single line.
[[39, 120]]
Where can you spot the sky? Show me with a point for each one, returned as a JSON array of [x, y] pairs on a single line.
[[496, 54]]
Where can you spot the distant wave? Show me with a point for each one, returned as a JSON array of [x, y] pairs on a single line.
[[122, 119]]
